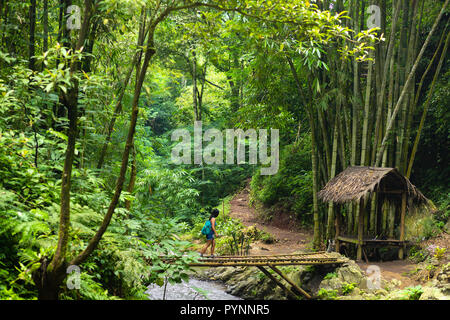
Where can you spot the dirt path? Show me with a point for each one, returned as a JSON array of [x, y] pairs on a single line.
[[289, 238]]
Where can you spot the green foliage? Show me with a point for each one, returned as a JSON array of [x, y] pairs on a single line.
[[423, 225], [325, 294], [430, 228], [439, 253], [292, 184], [266, 238], [412, 293], [417, 254], [234, 239], [330, 275], [348, 288]]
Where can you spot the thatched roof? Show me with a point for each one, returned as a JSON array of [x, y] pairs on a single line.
[[356, 182]]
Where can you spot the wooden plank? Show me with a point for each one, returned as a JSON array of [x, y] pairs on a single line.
[[365, 256], [297, 288], [348, 239], [263, 263], [402, 225], [374, 242], [275, 255], [278, 282]]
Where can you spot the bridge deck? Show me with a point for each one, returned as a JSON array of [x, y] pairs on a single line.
[[271, 261], [315, 258]]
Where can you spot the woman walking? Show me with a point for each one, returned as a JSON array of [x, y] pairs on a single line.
[[209, 229]]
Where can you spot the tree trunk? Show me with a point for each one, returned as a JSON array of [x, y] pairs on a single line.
[[31, 44], [316, 239], [132, 177], [50, 277], [149, 53], [118, 108], [194, 86], [45, 26]]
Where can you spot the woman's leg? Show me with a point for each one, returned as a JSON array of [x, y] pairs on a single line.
[[213, 246], [208, 243]]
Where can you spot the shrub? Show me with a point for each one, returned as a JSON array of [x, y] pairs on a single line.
[[348, 288], [330, 275], [439, 252], [291, 185], [417, 254], [325, 294], [413, 293]]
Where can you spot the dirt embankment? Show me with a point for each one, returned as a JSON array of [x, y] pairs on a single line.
[[288, 236]]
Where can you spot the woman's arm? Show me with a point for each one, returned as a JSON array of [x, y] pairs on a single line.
[[213, 225]]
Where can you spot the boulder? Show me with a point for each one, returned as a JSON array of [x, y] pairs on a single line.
[[443, 276], [351, 273], [432, 293], [394, 283], [397, 295], [381, 292], [331, 284], [348, 273], [369, 296]]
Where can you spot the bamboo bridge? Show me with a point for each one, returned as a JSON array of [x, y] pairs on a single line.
[[270, 261]]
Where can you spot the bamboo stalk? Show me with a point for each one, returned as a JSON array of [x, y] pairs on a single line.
[[365, 132], [387, 63], [360, 230], [425, 108], [402, 224], [278, 282], [297, 288], [332, 174], [408, 81]]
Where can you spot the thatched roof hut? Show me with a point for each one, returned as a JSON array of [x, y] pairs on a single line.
[[354, 183]]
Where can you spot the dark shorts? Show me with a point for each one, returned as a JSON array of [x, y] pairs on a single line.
[[210, 236]]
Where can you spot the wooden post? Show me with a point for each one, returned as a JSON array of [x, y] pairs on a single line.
[[297, 288], [278, 282], [360, 230], [337, 224], [402, 225]]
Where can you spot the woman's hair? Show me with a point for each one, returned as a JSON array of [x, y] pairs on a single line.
[[214, 213]]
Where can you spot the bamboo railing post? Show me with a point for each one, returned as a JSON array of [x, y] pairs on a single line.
[[337, 224], [297, 288], [402, 225], [278, 282], [360, 230]]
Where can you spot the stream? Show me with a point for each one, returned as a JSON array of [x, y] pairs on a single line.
[[194, 289]]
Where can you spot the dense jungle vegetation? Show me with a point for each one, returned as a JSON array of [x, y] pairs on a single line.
[[91, 91]]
